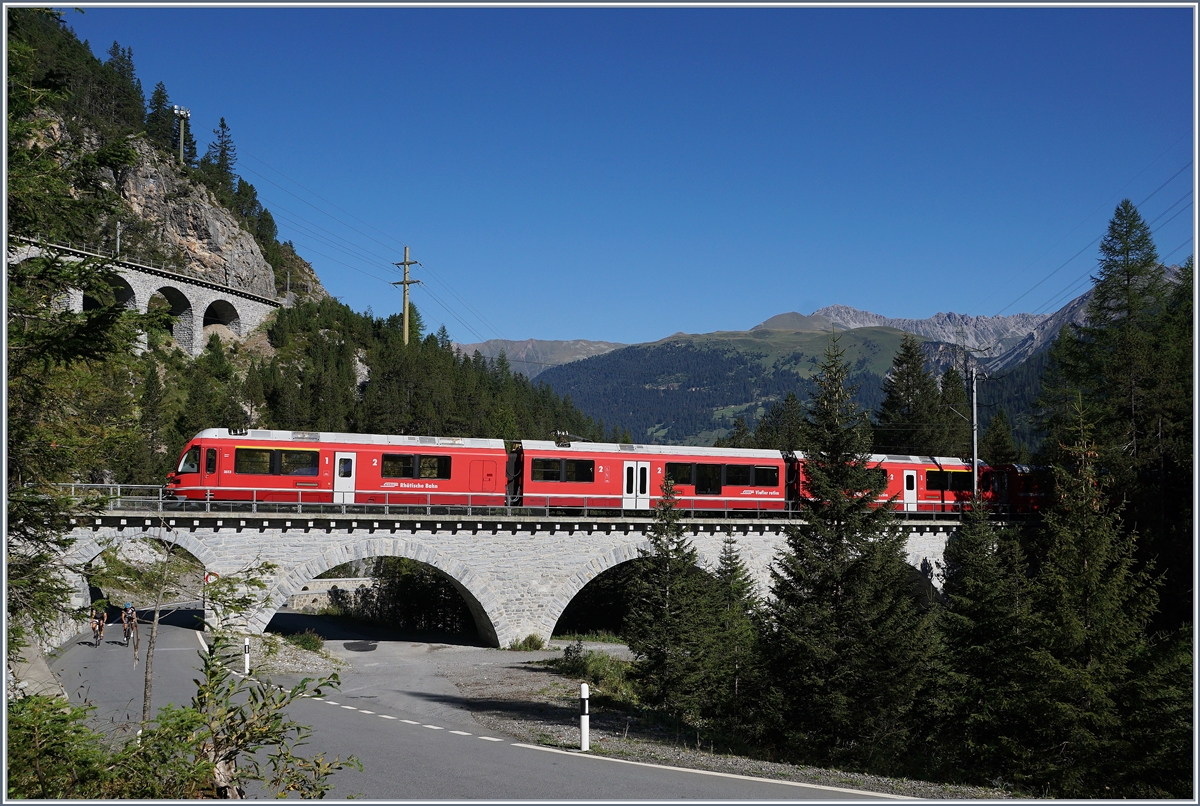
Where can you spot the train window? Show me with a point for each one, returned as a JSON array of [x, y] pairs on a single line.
[[708, 479], [190, 463], [210, 460], [546, 470], [679, 472], [435, 467], [583, 470], [951, 480], [910, 481], [397, 466], [737, 475], [345, 468], [766, 477], [299, 463], [252, 460]]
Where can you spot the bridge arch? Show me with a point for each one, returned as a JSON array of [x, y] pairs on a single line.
[[180, 308], [484, 602], [223, 312], [122, 291]]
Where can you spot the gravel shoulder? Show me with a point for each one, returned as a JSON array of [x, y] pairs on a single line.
[[508, 692]]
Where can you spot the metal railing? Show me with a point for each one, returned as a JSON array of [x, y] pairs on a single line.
[[151, 498]]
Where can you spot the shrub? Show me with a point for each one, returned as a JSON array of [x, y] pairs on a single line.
[[530, 643], [600, 669], [306, 640]]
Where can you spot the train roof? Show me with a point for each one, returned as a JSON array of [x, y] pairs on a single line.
[[649, 450], [350, 439], [940, 461]]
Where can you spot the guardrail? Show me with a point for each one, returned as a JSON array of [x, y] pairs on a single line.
[[150, 498]]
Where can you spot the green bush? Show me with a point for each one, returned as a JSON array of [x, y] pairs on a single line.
[[306, 640], [530, 643], [600, 669]]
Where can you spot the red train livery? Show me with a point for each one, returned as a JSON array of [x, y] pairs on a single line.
[[319, 467]]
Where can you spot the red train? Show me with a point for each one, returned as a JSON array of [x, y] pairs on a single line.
[[329, 468]]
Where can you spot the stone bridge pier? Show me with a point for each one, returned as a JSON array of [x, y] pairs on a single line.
[[517, 576], [193, 302]]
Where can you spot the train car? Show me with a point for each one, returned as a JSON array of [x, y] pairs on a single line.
[[629, 477], [929, 484], [926, 483], [1014, 489], [322, 467]]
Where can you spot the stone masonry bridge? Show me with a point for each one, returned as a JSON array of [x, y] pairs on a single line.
[[516, 573], [193, 302]]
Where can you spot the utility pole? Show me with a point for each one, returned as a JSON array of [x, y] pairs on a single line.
[[183, 115], [118, 240], [406, 283], [974, 436]]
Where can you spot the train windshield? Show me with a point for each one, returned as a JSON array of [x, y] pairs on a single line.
[[190, 463]]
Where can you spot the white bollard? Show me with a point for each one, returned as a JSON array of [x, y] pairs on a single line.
[[246, 655], [583, 717]]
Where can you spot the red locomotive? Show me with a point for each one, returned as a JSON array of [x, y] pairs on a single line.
[[307, 467]]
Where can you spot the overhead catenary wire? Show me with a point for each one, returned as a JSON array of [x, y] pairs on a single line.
[[433, 272]]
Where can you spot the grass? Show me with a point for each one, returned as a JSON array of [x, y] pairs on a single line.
[[530, 643], [607, 674], [306, 640], [601, 637]]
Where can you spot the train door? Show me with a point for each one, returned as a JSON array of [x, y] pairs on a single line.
[[910, 491], [483, 476], [343, 479], [637, 486]]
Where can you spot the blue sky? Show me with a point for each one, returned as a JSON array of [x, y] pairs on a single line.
[[621, 174]]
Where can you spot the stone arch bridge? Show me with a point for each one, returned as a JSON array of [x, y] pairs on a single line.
[[517, 574], [193, 302]]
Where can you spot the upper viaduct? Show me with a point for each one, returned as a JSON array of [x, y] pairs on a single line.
[[516, 572], [193, 302]]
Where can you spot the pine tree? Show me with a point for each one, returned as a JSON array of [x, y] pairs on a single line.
[[844, 640], [781, 427], [1096, 657], [955, 414], [986, 625], [909, 417], [731, 670], [996, 446], [160, 120], [216, 166], [668, 628]]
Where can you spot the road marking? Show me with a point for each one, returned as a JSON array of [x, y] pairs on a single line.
[[351, 707], [385, 716], [578, 754], [432, 727], [331, 702], [460, 733], [490, 739], [365, 711], [409, 722]]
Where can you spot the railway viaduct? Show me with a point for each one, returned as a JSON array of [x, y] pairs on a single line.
[[516, 573], [193, 302]]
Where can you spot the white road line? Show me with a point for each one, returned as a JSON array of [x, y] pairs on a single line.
[[385, 716], [490, 739], [578, 754], [331, 702], [432, 727], [460, 733], [365, 711], [409, 722], [350, 707]]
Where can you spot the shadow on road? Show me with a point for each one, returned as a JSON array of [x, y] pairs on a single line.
[[360, 636]]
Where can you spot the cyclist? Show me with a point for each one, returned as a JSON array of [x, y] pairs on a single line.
[[128, 621], [99, 617]]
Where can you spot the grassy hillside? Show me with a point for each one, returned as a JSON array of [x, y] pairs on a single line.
[[688, 389]]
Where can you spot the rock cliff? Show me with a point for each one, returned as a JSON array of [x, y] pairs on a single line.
[[182, 216]]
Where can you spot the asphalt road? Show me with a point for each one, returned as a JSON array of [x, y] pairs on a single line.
[[410, 729]]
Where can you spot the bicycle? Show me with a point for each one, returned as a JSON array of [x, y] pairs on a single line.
[[97, 629]]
